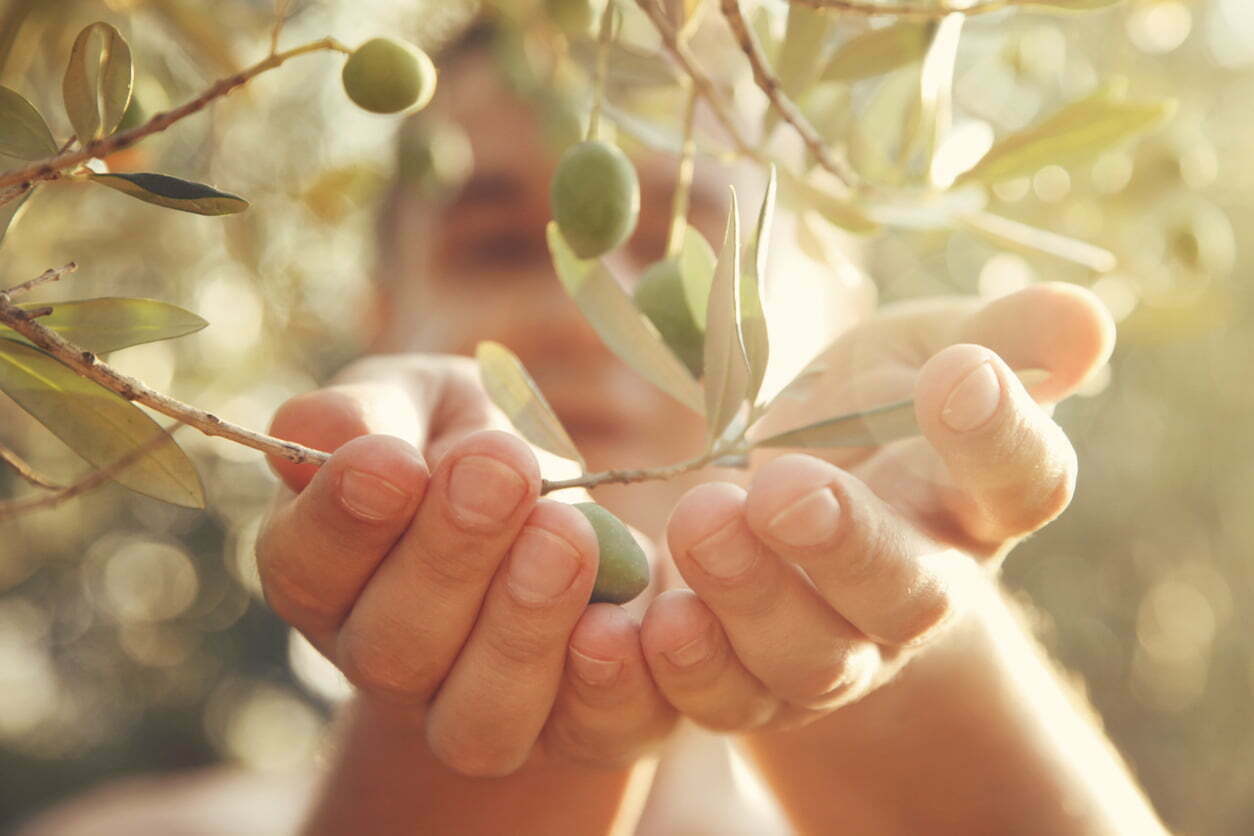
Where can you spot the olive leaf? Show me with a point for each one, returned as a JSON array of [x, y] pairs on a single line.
[[97, 82], [97, 424], [878, 51], [696, 265], [1033, 240], [23, 132], [800, 55], [10, 211], [868, 428], [633, 69], [1079, 131], [173, 193], [752, 317], [104, 325], [512, 389], [835, 211], [621, 326], [726, 365]]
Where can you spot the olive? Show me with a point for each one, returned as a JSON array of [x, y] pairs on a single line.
[[595, 197], [385, 75], [660, 296], [623, 570]]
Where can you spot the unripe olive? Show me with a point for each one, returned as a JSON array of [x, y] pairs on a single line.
[[385, 75], [623, 571], [660, 296], [595, 197]]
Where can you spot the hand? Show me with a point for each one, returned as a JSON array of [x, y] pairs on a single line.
[[451, 597], [812, 588]]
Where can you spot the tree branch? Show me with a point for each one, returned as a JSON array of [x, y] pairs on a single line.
[[720, 457], [50, 168], [87, 365], [783, 105], [17, 507], [22, 468], [50, 275]]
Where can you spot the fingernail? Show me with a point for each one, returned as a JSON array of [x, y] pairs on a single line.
[[727, 552], [541, 566], [483, 491], [809, 521], [691, 653], [369, 497], [973, 401], [599, 672]]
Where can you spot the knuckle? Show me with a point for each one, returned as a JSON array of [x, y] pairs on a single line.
[[380, 670], [920, 618], [521, 644], [814, 684], [584, 746], [294, 601], [472, 756], [735, 715]]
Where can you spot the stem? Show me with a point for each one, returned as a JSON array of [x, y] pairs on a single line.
[[22, 468], [602, 68], [780, 101], [683, 183], [87, 365], [50, 275], [910, 10], [93, 480], [48, 169], [730, 455]]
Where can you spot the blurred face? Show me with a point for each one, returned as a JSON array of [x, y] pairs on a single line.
[[478, 268]]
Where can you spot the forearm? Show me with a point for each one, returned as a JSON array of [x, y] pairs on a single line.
[[384, 780], [977, 735]]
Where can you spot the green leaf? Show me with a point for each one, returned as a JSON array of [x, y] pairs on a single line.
[[23, 132], [1032, 240], [10, 211], [726, 366], [800, 55], [104, 325], [696, 265], [97, 82], [878, 51], [1077, 132], [621, 326], [752, 317], [869, 428], [97, 424], [516, 394], [835, 211], [173, 193]]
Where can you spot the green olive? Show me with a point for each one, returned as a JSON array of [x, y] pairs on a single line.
[[595, 197], [385, 75], [623, 570], [660, 297]]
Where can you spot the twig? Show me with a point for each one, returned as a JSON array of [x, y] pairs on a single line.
[[50, 275], [17, 507], [721, 456], [22, 468], [911, 10], [280, 18], [87, 365], [604, 39], [680, 52], [48, 169], [783, 105]]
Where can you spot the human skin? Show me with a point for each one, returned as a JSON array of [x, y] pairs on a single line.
[[485, 684]]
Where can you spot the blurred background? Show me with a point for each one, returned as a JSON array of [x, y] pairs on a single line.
[[133, 638]]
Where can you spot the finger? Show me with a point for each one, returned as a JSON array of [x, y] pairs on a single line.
[[1058, 327], [784, 633], [869, 563], [1014, 468], [405, 630], [491, 708], [608, 709], [316, 552], [696, 668]]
